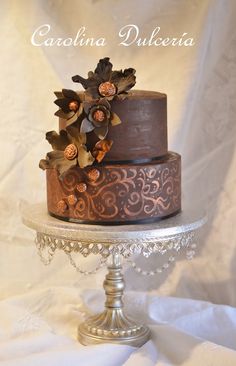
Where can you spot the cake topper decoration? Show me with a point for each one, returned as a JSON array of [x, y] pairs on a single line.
[[85, 113], [104, 82]]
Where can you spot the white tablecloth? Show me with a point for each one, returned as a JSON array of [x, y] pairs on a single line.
[[40, 328]]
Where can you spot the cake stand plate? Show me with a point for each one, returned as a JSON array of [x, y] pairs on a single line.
[[112, 243]]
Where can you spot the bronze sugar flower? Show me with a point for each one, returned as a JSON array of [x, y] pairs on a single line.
[[104, 82], [98, 117], [71, 106], [69, 150]]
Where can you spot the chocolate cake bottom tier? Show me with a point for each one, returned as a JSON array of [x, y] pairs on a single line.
[[117, 193]]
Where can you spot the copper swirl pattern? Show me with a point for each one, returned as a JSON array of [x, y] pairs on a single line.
[[122, 193]]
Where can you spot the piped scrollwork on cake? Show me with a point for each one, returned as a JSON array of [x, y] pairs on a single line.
[[128, 193]]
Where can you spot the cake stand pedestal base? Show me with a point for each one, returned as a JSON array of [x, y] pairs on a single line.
[[112, 325], [112, 243]]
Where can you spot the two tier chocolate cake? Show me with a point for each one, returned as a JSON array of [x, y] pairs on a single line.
[[110, 162]]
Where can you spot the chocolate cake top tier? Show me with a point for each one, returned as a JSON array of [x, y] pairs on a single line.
[[107, 122], [143, 131]]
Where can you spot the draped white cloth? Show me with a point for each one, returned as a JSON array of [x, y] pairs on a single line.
[[40, 328], [41, 306]]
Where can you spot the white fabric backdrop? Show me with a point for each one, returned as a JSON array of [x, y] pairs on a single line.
[[200, 82]]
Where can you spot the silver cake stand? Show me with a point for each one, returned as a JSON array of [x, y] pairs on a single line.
[[113, 243]]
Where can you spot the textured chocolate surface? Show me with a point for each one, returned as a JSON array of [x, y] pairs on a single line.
[[120, 193], [143, 131]]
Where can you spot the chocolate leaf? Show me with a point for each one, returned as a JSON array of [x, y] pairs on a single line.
[[70, 94], [75, 136], [85, 157], [72, 119], [73, 131], [63, 104], [82, 138], [63, 168], [58, 142], [129, 71], [88, 105], [122, 96], [57, 161], [90, 74], [80, 110], [81, 80], [115, 120], [93, 91], [63, 115], [115, 76], [86, 126], [101, 132], [44, 164], [55, 155], [127, 81], [86, 83], [103, 69], [58, 94], [87, 96]]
